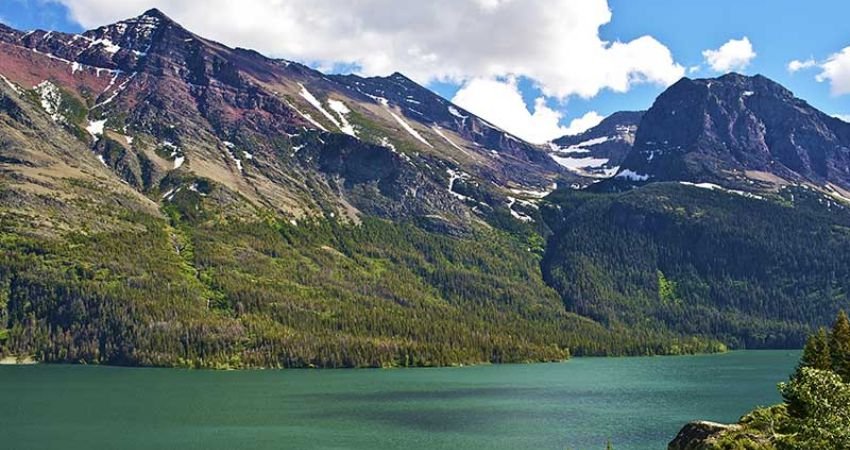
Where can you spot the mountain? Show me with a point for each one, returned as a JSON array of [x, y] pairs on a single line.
[[739, 132], [599, 151], [171, 201], [726, 219], [157, 100]]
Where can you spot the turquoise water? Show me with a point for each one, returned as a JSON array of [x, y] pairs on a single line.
[[637, 403]]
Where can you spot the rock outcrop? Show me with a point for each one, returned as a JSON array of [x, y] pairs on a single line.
[[698, 435]]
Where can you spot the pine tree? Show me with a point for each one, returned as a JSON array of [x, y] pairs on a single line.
[[839, 346], [816, 354]]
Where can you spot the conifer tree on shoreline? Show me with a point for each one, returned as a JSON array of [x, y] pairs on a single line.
[[839, 347]]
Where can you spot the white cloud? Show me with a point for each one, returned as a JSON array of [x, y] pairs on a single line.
[[797, 65], [844, 117], [501, 103], [733, 55], [694, 69], [836, 70], [585, 122], [555, 43]]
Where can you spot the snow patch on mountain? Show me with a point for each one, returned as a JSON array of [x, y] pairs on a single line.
[[343, 112], [446, 138], [586, 166], [714, 187], [588, 143], [535, 193], [515, 214], [51, 100], [385, 142], [403, 123], [117, 91], [455, 175], [11, 85], [176, 153], [631, 175], [454, 111], [311, 99], [229, 146], [108, 46], [308, 117], [95, 127]]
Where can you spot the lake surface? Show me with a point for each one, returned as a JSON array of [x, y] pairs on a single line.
[[637, 403]]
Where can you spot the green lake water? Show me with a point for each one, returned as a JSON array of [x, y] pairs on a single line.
[[637, 403]]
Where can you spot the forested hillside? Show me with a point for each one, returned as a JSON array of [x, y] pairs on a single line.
[[215, 293], [751, 270]]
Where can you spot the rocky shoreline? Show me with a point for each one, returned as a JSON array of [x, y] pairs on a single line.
[[698, 435]]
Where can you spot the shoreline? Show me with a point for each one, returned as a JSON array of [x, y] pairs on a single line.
[[18, 361], [29, 361]]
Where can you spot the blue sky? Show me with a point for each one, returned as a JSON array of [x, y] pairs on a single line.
[[779, 31]]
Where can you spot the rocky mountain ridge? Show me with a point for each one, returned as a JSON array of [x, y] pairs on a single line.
[[163, 107], [739, 132]]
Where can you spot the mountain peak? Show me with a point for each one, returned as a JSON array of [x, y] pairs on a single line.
[[403, 79], [737, 83], [151, 20], [156, 14], [729, 129], [735, 76]]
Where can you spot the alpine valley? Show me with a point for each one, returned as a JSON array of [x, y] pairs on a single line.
[[170, 201]]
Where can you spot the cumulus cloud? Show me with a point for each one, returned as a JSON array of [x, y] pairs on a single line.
[[556, 43], [797, 65], [501, 103], [585, 122], [836, 70], [736, 54]]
